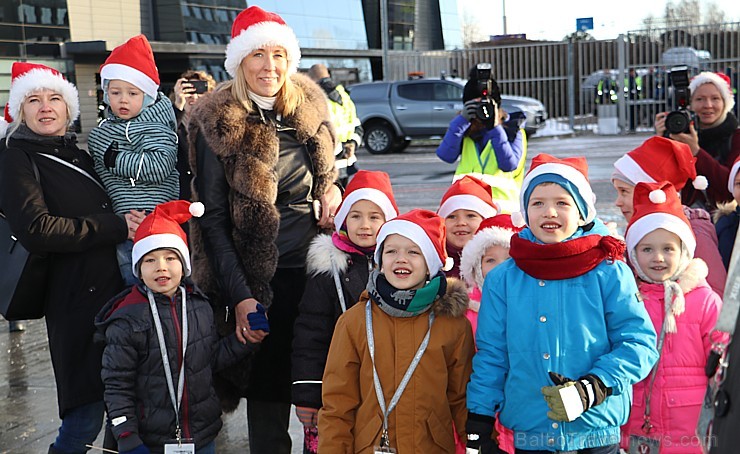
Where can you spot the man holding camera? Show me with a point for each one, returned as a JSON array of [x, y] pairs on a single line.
[[491, 144]]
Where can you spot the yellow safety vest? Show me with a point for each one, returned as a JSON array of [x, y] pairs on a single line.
[[505, 186], [344, 116]]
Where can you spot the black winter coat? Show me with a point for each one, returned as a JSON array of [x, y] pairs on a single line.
[[318, 312], [135, 383], [70, 218]]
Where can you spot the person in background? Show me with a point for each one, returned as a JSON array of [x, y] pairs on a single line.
[[182, 337], [135, 147], [562, 335], [727, 217], [344, 116], [464, 206], [492, 150], [66, 214], [410, 322], [658, 159], [262, 150], [338, 266], [683, 309], [188, 89], [713, 137]]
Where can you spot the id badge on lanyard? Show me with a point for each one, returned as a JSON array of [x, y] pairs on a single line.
[[179, 448], [385, 445]]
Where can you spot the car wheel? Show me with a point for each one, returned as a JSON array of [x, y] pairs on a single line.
[[378, 139]]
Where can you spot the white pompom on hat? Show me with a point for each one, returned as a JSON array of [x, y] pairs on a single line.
[[161, 230], [132, 62], [254, 28], [721, 81], [28, 77], [424, 228]]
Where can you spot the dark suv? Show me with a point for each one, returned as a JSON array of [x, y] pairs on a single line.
[[393, 113]]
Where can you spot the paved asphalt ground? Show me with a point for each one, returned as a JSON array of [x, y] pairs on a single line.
[[28, 409]]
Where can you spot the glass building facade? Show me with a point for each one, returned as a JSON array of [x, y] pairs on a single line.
[[451, 25], [32, 27]]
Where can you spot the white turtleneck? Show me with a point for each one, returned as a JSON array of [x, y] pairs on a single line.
[[264, 102]]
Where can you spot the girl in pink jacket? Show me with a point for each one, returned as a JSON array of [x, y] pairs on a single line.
[[486, 250], [683, 309]]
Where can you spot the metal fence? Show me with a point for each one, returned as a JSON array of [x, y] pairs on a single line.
[[565, 75]]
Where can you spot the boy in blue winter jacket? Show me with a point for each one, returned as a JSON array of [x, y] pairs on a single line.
[[135, 147], [561, 334]]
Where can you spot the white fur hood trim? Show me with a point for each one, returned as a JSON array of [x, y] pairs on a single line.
[[472, 253], [694, 275], [322, 254]]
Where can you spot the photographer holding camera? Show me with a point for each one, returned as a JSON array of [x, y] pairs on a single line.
[[711, 132], [491, 144]]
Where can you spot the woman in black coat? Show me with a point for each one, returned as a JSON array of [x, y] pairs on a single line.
[[66, 215]]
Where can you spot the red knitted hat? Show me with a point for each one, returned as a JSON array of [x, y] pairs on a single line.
[[657, 206], [255, 27], [468, 193], [424, 228], [374, 186], [658, 159], [132, 62], [28, 77], [161, 229]]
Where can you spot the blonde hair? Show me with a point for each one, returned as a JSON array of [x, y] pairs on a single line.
[[288, 98], [13, 127]]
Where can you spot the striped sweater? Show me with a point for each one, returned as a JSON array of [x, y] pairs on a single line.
[[142, 174]]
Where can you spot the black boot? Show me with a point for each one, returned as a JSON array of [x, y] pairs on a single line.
[[53, 450]]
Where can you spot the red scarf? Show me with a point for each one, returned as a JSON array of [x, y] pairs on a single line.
[[566, 259]]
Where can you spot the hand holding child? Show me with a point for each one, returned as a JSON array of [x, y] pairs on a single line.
[[249, 321]]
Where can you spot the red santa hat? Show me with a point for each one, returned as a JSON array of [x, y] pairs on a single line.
[[657, 206], [132, 62], [424, 228], [254, 28], [161, 230], [569, 173], [658, 159], [495, 231], [374, 186], [721, 81], [28, 77], [733, 174], [468, 193]]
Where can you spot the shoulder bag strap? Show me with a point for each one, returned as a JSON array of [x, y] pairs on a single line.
[[73, 167]]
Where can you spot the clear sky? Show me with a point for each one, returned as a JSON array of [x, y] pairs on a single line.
[[554, 19]]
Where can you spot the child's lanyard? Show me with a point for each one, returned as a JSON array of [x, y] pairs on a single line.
[[647, 426], [478, 154], [166, 361], [384, 440]]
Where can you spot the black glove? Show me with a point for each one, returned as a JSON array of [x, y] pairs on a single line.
[[109, 157], [480, 433], [568, 399], [470, 109]]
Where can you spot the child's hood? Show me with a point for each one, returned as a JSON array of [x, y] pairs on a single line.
[[693, 276], [454, 302], [323, 256]]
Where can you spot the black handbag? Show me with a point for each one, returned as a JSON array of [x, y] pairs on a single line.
[[24, 276]]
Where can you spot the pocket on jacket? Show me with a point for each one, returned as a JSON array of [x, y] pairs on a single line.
[[368, 434], [441, 433], [685, 396]]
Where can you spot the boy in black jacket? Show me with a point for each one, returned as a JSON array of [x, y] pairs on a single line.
[[162, 345]]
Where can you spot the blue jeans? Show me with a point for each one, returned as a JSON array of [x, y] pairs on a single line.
[[123, 254], [609, 449], [80, 426]]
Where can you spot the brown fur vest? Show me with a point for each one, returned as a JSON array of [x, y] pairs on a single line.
[[248, 149]]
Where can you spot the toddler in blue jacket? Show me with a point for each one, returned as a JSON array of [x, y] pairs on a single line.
[[561, 333]]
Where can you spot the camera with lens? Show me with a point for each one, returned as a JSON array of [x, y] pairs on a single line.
[[679, 120], [486, 108]]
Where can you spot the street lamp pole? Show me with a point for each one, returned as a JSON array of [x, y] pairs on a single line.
[[503, 2], [384, 36]]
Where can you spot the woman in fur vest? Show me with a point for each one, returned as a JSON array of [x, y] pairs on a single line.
[[262, 154]]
